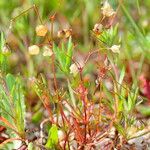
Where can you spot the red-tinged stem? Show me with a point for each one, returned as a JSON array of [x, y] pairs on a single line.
[[100, 99], [53, 57], [63, 115], [67, 141], [76, 128], [10, 140], [74, 112], [50, 113], [85, 118], [52, 24]]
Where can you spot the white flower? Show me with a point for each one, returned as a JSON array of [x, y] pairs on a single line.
[[98, 28], [47, 51], [107, 10], [5, 50], [115, 49], [60, 34], [61, 135], [34, 50], [41, 30], [74, 69], [32, 81]]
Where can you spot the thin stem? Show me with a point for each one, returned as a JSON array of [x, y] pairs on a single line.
[[139, 135], [42, 126], [37, 12], [100, 99], [13, 19], [52, 24], [53, 57]]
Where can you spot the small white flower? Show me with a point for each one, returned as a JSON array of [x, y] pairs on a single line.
[[107, 10], [32, 81], [98, 28], [74, 69], [115, 49], [34, 50], [5, 50], [47, 51], [60, 34], [41, 30], [61, 135]]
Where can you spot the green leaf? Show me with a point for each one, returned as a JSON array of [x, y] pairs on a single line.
[[137, 32], [72, 97], [19, 107], [109, 36], [12, 105], [10, 81], [145, 110], [2, 42], [30, 146], [52, 140], [37, 117], [69, 54], [64, 55], [132, 97], [122, 74], [3, 58], [120, 129], [129, 17]]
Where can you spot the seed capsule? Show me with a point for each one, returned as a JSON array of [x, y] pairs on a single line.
[[107, 10], [41, 30], [65, 33], [47, 51], [34, 50]]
